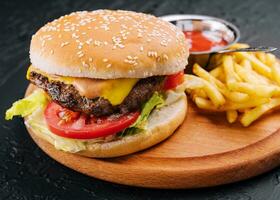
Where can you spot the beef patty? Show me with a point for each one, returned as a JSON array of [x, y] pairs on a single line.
[[67, 96]]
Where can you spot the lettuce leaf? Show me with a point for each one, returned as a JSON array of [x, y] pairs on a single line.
[[37, 122], [28, 105], [156, 101]]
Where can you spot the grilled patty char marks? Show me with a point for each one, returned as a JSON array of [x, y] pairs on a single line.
[[67, 95]]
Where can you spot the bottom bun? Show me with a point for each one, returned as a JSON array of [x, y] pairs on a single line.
[[161, 124]]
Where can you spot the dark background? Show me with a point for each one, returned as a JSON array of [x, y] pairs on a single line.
[[27, 173]]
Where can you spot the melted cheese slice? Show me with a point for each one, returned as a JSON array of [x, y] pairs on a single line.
[[115, 90]]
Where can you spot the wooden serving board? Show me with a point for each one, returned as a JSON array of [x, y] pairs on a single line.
[[205, 151]]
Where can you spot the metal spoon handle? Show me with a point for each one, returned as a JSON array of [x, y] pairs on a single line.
[[249, 49]]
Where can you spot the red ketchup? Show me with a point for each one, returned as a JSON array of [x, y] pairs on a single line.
[[204, 42]]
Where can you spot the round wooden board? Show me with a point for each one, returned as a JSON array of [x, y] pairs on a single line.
[[204, 151]]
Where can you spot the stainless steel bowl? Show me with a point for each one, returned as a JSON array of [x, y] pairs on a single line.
[[221, 28]]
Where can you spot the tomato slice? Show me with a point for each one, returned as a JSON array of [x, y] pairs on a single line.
[[69, 124], [172, 81]]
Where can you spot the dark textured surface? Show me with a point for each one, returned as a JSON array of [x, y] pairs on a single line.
[[27, 173]]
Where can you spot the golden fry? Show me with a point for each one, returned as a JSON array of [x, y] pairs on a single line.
[[251, 115], [270, 59], [262, 79], [193, 82], [204, 103], [238, 46], [214, 94], [254, 90], [229, 70], [207, 105], [246, 64], [248, 75], [199, 93], [216, 72], [276, 72], [202, 73], [234, 96], [222, 77], [248, 104], [256, 64], [210, 89], [232, 116], [261, 56], [242, 82]]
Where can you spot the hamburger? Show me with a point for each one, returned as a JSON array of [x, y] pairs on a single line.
[[105, 83]]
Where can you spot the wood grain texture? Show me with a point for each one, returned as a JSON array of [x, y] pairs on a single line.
[[204, 151], [27, 173]]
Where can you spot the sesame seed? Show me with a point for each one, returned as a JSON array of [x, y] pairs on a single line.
[[85, 64], [89, 41], [165, 57], [105, 60], [90, 59], [80, 54], [141, 48], [108, 66], [64, 44], [74, 35], [52, 51], [163, 43], [43, 43], [131, 60], [97, 43], [126, 61], [152, 54]]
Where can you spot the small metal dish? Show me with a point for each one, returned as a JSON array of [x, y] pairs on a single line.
[[220, 28]]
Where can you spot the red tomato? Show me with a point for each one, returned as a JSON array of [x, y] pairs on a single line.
[[69, 124], [173, 80]]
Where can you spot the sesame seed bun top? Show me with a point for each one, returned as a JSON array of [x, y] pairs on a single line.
[[109, 44]]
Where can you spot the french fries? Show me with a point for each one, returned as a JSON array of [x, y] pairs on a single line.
[[253, 114], [231, 76], [244, 85], [216, 72], [276, 72], [210, 89], [208, 105], [257, 65], [232, 116]]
